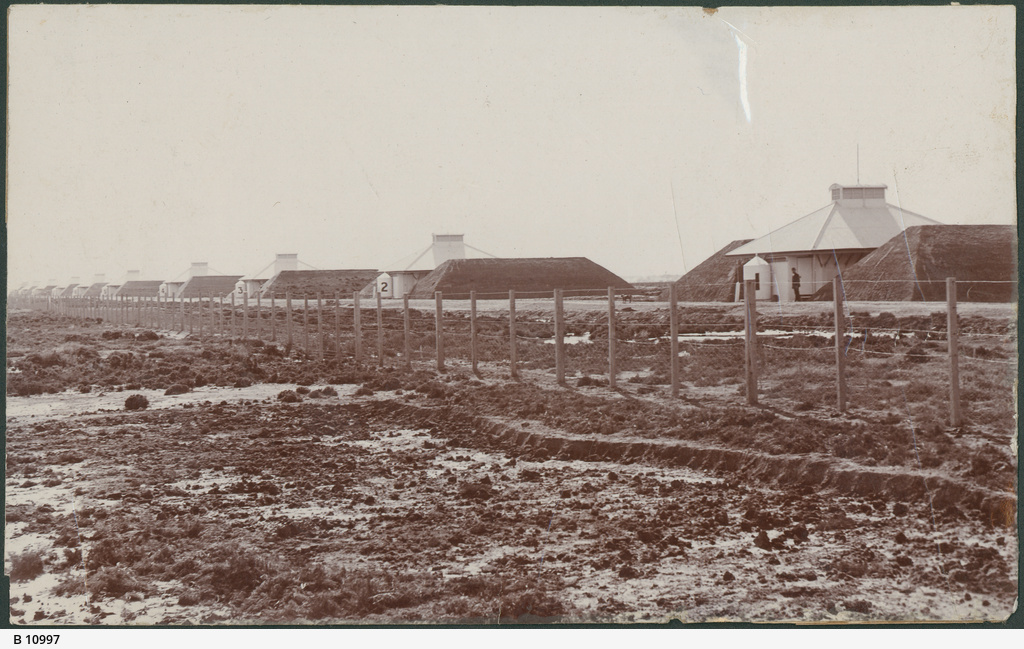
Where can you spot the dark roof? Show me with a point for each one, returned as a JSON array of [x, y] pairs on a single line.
[[140, 288], [491, 278], [914, 266], [326, 282], [209, 286], [94, 290], [68, 290], [714, 279]]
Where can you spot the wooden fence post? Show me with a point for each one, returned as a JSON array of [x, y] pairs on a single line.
[[750, 339], [245, 316], [952, 338], [407, 349], [232, 314], [200, 316], [439, 327], [837, 294], [473, 354], [337, 326], [288, 318], [559, 338], [259, 316], [512, 352], [181, 312], [191, 316], [380, 331], [220, 315], [319, 326], [305, 323], [357, 327], [673, 332], [273, 318], [612, 334]]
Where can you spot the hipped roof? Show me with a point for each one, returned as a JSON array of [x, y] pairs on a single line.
[[94, 290], [493, 277], [328, 283], [140, 288], [836, 227], [209, 286], [915, 265], [714, 279]]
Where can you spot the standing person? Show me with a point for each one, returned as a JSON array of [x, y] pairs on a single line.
[[796, 285]]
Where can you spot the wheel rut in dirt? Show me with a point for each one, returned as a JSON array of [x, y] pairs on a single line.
[[801, 471]]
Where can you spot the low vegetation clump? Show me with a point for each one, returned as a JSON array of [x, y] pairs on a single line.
[[177, 388], [114, 581], [27, 565], [136, 402]]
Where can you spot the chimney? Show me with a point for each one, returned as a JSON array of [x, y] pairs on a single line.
[[199, 269], [100, 278], [448, 246], [74, 280], [286, 261], [858, 195]]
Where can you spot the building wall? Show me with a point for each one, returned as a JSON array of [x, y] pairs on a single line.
[[401, 284], [816, 271]]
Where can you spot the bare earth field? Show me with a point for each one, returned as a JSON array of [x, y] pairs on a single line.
[[277, 489]]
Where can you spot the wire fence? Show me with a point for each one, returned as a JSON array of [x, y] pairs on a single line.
[[810, 359]]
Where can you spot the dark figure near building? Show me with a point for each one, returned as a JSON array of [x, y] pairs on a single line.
[[796, 285]]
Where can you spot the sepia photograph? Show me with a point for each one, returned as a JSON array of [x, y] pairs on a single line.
[[505, 315]]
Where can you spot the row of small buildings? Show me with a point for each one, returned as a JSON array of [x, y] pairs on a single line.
[[880, 252], [445, 266]]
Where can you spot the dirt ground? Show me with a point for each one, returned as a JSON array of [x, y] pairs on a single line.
[[370, 495]]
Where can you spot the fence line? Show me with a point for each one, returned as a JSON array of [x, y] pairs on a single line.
[[407, 333]]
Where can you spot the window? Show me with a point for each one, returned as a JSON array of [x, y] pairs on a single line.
[[757, 281], [835, 194], [853, 192]]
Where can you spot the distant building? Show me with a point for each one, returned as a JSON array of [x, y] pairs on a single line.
[[443, 247], [327, 283], [69, 289], [250, 286], [45, 291], [207, 286], [96, 288], [914, 265], [827, 241], [109, 291], [139, 288], [171, 289], [494, 278]]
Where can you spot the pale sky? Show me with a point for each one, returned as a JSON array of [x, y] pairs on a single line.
[[150, 137]]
